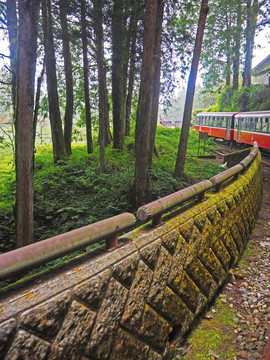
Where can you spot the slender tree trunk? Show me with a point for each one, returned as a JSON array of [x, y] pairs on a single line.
[[132, 65], [228, 41], [108, 136], [37, 99], [156, 89], [252, 12], [237, 45], [28, 25], [145, 105], [59, 151], [68, 74], [228, 70], [102, 93], [182, 149], [118, 32], [12, 34], [88, 120]]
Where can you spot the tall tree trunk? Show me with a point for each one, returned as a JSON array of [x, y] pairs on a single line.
[[108, 136], [28, 26], [68, 74], [118, 33], [12, 34], [59, 151], [102, 93], [237, 45], [145, 105], [37, 99], [156, 89], [88, 120], [228, 41], [132, 64], [252, 12], [182, 149]]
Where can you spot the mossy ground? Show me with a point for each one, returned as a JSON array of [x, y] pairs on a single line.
[[214, 336]]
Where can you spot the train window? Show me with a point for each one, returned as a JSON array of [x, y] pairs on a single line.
[[252, 124], [219, 121], [247, 123], [236, 123], [242, 126], [258, 124], [224, 122], [265, 125]]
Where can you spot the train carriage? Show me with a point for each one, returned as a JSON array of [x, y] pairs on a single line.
[[253, 126], [216, 124], [242, 127]]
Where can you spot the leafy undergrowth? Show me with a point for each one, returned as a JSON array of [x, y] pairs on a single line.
[[74, 193], [213, 339]]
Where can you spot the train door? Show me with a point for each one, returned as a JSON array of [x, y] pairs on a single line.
[[228, 127], [200, 122], [240, 124]]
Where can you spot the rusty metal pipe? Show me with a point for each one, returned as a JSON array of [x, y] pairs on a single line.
[[159, 206], [39, 253], [225, 175]]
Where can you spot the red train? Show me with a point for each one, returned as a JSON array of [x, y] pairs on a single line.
[[242, 127]]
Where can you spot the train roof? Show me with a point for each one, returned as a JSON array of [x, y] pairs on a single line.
[[217, 113], [265, 113]]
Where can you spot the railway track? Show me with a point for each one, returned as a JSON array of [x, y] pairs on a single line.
[[226, 149], [266, 159]]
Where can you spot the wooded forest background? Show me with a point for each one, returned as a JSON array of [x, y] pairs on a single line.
[[107, 65]]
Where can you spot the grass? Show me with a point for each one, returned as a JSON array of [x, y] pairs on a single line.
[[73, 193], [213, 336], [7, 178]]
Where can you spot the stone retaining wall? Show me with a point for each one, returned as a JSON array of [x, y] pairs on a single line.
[[130, 303], [235, 157]]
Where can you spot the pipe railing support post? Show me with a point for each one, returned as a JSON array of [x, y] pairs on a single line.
[[157, 220]]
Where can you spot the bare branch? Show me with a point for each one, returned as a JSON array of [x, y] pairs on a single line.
[[8, 69], [5, 83], [5, 56]]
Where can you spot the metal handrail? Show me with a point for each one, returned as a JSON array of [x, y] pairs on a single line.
[[155, 209], [27, 257], [24, 258], [158, 207]]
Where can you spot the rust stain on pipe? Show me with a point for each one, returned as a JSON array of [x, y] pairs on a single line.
[[21, 259]]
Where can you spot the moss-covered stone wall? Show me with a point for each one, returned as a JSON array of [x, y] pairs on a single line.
[[131, 302], [235, 157]]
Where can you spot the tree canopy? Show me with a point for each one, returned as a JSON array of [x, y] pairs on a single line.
[[106, 65]]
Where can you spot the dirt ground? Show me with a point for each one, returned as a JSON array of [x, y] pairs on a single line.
[[237, 327]]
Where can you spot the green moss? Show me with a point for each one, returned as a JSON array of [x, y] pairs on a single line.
[[213, 335], [250, 249]]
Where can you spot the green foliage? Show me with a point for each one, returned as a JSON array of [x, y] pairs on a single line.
[[253, 98], [7, 176], [74, 193]]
